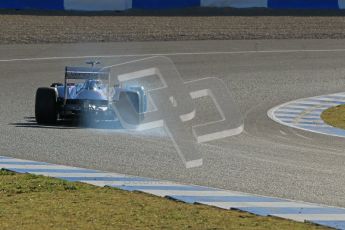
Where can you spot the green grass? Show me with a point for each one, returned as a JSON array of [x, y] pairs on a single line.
[[36, 202], [335, 116]]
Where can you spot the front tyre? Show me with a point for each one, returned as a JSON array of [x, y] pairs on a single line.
[[46, 106]]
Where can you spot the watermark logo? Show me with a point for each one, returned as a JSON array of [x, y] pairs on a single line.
[[173, 108]]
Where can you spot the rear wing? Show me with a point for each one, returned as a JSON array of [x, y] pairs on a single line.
[[85, 73]]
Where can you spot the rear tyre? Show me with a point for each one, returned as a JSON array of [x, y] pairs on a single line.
[[46, 106]]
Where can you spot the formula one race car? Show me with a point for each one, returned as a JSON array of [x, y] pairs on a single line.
[[93, 97]]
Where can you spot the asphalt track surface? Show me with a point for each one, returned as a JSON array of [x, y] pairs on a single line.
[[266, 159]]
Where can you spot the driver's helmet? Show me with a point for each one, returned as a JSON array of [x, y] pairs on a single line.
[[93, 84]]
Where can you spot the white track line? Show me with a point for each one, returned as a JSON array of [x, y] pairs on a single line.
[[169, 54]]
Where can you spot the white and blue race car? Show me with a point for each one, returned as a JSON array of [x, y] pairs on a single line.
[[91, 95]]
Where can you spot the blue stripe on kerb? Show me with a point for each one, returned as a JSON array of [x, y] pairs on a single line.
[[193, 199], [340, 97], [286, 117], [53, 170], [289, 107], [105, 179], [22, 163], [262, 211], [310, 119], [321, 102], [165, 188], [289, 116], [308, 105], [293, 108], [277, 112], [303, 121], [297, 113], [332, 224], [303, 4], [309, 123]]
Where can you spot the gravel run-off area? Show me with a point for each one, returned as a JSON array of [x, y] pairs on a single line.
[[190, 24]]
